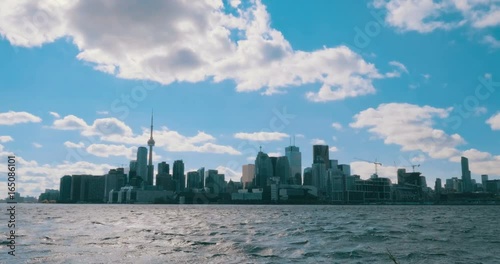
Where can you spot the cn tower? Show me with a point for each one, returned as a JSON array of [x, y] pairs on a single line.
[[151, 143]]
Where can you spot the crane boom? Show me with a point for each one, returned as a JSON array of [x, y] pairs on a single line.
[[376, 163]]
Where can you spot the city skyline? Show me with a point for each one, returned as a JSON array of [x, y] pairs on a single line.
[[375, 86]]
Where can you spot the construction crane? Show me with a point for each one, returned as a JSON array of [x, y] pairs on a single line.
[[376, 163], [413, 166]]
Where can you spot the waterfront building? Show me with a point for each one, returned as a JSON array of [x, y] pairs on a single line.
[[248, 174], [263, 170], [466, 175], [141, 164], [321, 155], [178, 176], [295, 159], [65, 189]]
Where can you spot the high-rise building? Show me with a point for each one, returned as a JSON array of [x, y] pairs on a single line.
[[248, 172], [201, 178], [274, 160], [263, 170], [220, 183], [151, 143], [163, 168], [319, 176], [484, 179], [211, 180], [345, 169], [438, 186], [163, 178], [295, 160], [466, 175], [87, 188], [132, 173], [141, 163], [192, 180], [114, 180], [321, 155], [308, 176], [282, 170], [178, 175], [65, 189]]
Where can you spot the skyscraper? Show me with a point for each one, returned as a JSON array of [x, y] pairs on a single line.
[[163, 168], [248, 172], [201, 177], [321, 155], [114, 180], [308, 176], [211, 180], [151, 143], [295, 159], [141, 163], [132, 173], [178, 175], [263, 170], [466, 178], [163, 178], [438, 186], [192, 180], [283, 170], [484, 179], [65, 189]]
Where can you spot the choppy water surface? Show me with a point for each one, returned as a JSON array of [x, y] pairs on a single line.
[[254, 234]]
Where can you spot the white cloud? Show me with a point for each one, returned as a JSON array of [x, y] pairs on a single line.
[[261, 136], [300, 135], [116, 131], [410, 126], [333, 149], [37, 145], [480, 110], [108, 127], [413, 86], [105, 151], [102, 112], [251, 158], [426, 76], [491, 41], [317, 141], [400, 68], [366, 169], [70, 122], [494, 121], [35, 178], [428, 15], [4, 139], [337, 125], [418, 159], [274, 154], [12, 118], [54, 114], [229, 174], [169, 41], [70, 144]]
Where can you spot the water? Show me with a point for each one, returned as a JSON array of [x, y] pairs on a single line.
[[254, 234]]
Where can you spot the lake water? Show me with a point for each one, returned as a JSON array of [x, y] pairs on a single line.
[[56, 233]]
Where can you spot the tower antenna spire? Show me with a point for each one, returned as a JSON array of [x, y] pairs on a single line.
[[151, 123]]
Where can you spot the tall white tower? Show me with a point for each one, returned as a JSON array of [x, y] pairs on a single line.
[[151, 143]]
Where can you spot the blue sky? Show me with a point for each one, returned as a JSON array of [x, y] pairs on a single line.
[[395, 81]]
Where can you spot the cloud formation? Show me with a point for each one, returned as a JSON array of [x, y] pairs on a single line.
[[169, 41], [12, 118], [261, 136]]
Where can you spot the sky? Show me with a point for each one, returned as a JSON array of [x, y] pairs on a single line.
[[399, 82]]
